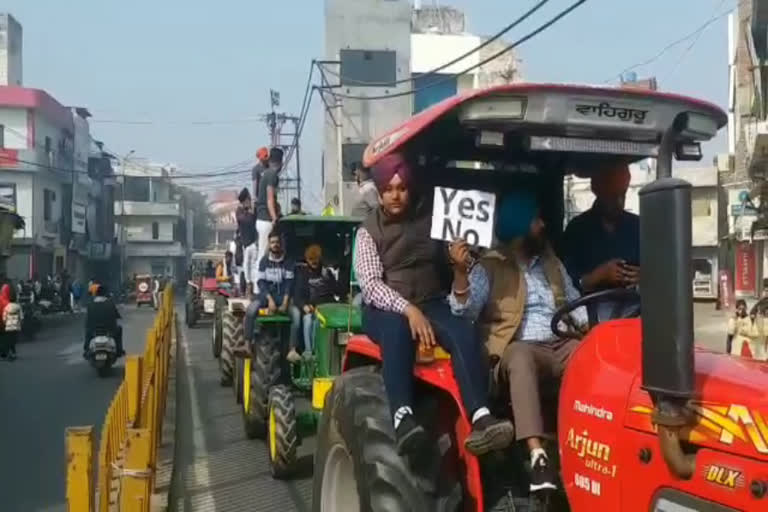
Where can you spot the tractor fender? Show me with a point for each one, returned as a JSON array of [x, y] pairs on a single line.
[[193, 285]]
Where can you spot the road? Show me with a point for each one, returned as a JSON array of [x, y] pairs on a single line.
[[49, 388], [218, 469]]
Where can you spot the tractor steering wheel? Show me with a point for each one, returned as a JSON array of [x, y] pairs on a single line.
[[627, 305]]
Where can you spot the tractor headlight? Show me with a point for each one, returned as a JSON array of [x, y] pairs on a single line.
[[342, 338]]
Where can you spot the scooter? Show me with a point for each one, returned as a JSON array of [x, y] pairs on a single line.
[[102, 353]]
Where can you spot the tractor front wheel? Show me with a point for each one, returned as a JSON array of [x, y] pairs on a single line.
[[282, 432], [357, 467], [264, 374], [218, 325], [228, 340]]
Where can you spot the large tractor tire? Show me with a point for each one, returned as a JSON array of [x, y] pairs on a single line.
[[357, 467], [218, 325], [264, 374], [282, 436], [228, 342]]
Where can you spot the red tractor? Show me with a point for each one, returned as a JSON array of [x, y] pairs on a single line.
[[644, 421]]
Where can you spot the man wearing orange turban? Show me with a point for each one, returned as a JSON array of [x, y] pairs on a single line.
[[601, 247]]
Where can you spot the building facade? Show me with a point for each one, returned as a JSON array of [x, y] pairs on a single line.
[[36, 173], [11, 50], [369, 40], [223, 205], [745, 169], [150, 221], [377, 47]]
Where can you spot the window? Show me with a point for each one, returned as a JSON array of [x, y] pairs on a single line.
[[155, 231], [49, 196], [368, 68], [701, 207], [351, 155], [8, 196], [2, 136], [59, 264], [136, 189]]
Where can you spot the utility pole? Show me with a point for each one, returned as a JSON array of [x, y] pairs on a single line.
[[275, 122]]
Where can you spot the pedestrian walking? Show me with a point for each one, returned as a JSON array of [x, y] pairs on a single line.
[[12, 317]]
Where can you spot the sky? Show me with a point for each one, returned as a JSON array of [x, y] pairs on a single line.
[[176, 62]]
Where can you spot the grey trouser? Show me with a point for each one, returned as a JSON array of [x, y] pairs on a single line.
[[523, 368]]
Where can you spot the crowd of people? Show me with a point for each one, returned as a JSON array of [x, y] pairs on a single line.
[[491, 310]]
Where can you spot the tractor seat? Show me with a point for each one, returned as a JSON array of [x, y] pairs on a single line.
[[210, 284]]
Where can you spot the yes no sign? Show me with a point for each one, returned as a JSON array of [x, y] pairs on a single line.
[[466, 214]]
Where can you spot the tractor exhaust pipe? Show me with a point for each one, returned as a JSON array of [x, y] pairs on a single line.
[[666, 296]]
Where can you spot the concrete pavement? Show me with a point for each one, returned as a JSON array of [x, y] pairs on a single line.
[[49, 388], [217, 468]]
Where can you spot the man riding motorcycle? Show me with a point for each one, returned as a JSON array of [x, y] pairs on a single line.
[[102, 317]]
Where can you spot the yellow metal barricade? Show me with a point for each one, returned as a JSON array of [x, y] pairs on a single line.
[[131, 433]]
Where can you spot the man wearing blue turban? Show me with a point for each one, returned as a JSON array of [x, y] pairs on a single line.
[[512, 294]]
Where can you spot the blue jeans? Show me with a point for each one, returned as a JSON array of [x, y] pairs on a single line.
[[308, 323], [456, 335]]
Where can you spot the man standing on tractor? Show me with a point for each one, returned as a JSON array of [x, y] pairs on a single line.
[[296, 207], [275, 281], [601, 247], [262, 163], [369, 197], [246, 233], [266, 207], [401, 274], [513, 294], [315, 285]]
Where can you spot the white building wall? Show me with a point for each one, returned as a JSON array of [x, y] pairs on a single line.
[[14, 121], [139, 229], [22, 184], [364, 25], [429, 51], [11, 51], [47, 231]]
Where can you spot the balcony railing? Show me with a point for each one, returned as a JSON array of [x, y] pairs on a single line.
[[147, 208]]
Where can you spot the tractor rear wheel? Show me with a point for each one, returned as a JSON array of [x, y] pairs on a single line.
[[228, 340], [218, 313], [357, 467], [282, 432], [265, 373]]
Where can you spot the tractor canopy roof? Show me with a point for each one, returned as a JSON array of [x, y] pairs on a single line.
[[526, 128]]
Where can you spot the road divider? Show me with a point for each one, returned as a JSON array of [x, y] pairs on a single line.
[[126, 477]]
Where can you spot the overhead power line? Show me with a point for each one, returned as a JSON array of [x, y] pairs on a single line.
[[669, 46], [450, 63], [450, 77]]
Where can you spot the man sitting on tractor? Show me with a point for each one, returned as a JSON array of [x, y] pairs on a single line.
[[513, 293], [275, 281], [402, 278], [315, 285], [601, 247], [225, 270]]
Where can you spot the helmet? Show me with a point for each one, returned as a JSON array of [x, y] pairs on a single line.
[[262, 154]]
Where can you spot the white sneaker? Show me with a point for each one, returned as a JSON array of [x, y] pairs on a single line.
[[293, 356]]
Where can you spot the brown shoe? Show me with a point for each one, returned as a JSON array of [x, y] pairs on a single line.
[[489, 434]]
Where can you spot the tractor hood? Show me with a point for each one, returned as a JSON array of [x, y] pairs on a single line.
[[730, 405]]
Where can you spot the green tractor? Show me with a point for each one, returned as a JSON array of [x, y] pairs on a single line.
[[282, 402]]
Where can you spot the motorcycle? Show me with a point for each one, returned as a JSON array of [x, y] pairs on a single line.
[[31, 322], [102, 352]]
